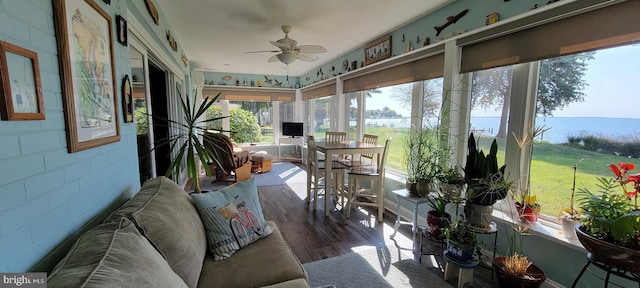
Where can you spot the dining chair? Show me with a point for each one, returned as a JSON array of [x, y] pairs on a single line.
[[373, 195], [315, 174], [366, 159], [334, 136]]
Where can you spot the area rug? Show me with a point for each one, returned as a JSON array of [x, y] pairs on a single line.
[[372, 268], [282, 173]]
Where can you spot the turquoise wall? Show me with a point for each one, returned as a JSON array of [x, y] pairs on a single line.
[[47, 195]]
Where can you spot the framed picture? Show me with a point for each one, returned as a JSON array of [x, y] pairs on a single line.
[[20, 85], [121, 30], [377, 50], [85, 49], [127, 100]]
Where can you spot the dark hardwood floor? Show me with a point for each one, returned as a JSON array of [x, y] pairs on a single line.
[[312, 236]]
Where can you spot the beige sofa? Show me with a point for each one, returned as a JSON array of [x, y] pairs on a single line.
[[157, 239]]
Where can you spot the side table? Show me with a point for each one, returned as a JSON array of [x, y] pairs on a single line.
[[403, 194]]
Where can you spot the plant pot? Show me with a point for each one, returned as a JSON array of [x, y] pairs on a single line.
[[411, 187], [478, 216], [534, 277], [424, 188], [528, 213], [451, 191], [569, 227], [462, 252], [436, 223], [608, 253]]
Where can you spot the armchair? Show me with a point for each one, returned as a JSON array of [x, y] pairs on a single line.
[[235, 164]]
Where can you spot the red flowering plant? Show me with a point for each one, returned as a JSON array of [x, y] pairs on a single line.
[[610, 215], [623, 179]]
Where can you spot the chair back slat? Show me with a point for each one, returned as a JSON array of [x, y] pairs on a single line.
[[332, 136], [370, 139]]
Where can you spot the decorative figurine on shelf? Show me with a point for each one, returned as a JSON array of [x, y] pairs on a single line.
[[450, 20]]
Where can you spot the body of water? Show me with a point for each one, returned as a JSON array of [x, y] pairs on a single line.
[[561, 127]]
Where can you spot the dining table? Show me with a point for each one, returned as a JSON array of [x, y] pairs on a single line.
[[331, 149]]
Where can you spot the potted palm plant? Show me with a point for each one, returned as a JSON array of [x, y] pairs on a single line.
[[186, 144], [610, 223]]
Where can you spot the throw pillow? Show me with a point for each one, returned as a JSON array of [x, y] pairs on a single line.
[[113, 254], [232, 218]]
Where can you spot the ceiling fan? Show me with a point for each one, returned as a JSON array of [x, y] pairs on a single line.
[[290, 51]]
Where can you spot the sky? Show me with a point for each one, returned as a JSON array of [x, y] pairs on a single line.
[[614, 87]]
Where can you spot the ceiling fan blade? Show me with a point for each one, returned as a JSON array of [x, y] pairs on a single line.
[[307, 57], [311, 49], [280, 45], [272, 51], [273, 58]]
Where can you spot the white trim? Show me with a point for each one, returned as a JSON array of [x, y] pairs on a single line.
[[138, 30]]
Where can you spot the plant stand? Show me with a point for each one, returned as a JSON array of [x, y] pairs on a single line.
[[463, 270], [609, 269]]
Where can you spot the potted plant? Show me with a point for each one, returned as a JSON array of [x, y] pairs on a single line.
[[570, 216], [486, 183], [461, 241], [610, 223], [526, 204], [186, 144], [515, 269], [451, 182], [528, 209], [422, 155], [437, 218]]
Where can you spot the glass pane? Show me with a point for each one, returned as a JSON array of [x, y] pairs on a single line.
[[490, 95], [587, 102], [388, 115], [251, 121], [320, 113], [353, 115], [141, 117]]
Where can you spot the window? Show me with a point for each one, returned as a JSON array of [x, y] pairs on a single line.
[[319, 117], [587, 101], [490, 98]]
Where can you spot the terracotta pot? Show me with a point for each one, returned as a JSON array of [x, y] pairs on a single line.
[[535, 276], [529, 214], [608, 253], [435, 224]]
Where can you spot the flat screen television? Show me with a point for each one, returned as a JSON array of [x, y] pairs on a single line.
[[292, 129]]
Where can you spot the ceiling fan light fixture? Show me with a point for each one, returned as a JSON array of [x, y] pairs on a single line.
[[286, 58]]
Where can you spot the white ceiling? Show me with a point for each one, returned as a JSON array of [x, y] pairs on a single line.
[[215, 34]]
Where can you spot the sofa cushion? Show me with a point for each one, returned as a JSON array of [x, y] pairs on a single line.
[[232, 218], [168, 218], [267, 261], [113, 255]]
